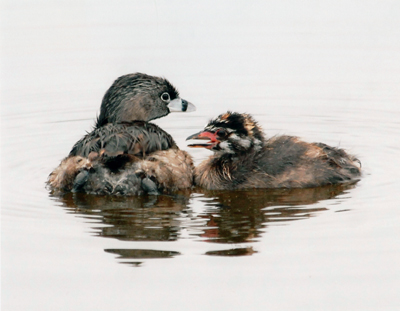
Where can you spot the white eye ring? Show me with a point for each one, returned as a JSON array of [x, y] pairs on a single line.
[[165, 97]]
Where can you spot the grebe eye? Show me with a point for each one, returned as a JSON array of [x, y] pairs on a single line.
[[165, 97], [221, 133]]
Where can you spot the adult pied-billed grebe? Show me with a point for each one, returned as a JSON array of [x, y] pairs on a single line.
[[125, 154], [244, 158]]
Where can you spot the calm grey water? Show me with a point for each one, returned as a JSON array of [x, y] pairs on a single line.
[[327, 72]]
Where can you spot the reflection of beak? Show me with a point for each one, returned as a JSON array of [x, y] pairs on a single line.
[[180, 105], [204, 136]]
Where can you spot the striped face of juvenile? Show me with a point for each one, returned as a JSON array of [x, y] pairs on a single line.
[[231, 133]]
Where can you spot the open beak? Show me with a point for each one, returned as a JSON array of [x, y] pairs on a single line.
[[211, 137], [181, 105]]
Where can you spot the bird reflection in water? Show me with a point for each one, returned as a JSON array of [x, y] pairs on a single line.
[[241, 216], [226, 217]]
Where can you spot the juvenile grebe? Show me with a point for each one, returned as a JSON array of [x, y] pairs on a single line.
[[244, 158]]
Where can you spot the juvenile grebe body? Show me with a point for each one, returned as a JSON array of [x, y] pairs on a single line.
[[244, 158]]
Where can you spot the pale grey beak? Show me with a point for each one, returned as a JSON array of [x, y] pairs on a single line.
[[181, 105]]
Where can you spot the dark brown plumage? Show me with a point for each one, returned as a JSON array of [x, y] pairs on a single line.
[[123, 141], [244, 158]]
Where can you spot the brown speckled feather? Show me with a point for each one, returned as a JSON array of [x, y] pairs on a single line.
[[137, 138]]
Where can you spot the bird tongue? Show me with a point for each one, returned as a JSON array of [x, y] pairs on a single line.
[[204, 136]]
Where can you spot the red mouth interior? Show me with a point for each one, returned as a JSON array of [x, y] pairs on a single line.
[[205, 136]]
